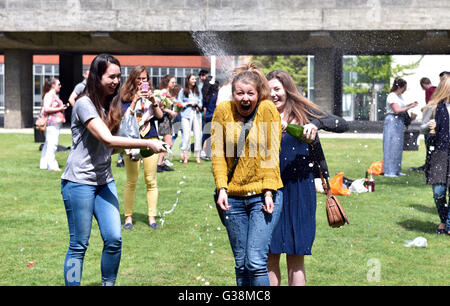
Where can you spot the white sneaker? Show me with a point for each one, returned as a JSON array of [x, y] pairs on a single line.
[[402, 174], [168, 163]]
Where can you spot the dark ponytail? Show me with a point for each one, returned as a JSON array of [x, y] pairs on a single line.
[[398, 83]]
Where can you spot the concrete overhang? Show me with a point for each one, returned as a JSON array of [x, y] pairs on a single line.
[[232, 42]]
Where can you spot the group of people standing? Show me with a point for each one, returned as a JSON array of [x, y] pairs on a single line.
[[264, 176], [269, 203], [87, 184], [435, 126], [268, 200]]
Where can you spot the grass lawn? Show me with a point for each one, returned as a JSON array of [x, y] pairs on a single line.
[[192, 246]]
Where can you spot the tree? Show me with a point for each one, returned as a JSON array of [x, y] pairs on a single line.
[[295, 65], [372, 70]]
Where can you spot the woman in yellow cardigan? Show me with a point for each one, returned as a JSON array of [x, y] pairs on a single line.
[[251, 201]]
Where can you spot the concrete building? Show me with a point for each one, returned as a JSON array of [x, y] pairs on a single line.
[[326, 29]]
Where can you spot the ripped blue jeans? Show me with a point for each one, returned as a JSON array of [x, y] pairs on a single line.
[[250, 230]]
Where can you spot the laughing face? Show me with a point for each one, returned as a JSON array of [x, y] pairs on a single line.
[[277, 94], [245, 96], [111, 79]]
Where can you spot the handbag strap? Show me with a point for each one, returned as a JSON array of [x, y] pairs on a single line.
[[325, 182], [241, 143]]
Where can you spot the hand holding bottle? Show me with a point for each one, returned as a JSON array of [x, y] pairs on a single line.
[[310, 131]]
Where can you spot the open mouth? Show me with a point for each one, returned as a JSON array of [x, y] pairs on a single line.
[[246, 106]]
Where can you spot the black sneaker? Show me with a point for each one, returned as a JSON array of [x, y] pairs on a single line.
[[159, 168], [167, 168]]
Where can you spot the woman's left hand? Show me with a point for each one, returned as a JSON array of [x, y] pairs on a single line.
[[268, 206], [310, 131]]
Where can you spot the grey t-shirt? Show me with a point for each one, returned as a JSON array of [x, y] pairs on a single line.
[[79, 88], [89, 160]]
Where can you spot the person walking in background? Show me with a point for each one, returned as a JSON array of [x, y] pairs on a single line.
[[87, 184], [176, 123], [53, 108], [426, 85], [165, 128], [79, 88], [191, 118], [202, 75], [295, 232], [209, 93], [437, 173], [394, 128], [251, 200], [131, 94]]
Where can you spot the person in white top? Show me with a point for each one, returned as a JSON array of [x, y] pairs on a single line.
[[394, 128]]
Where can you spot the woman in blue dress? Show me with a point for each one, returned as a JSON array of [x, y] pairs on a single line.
[[295, 232]]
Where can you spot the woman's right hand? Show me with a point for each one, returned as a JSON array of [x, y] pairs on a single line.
[[414, 104], [156, 146], [222, 200], [432, 124]]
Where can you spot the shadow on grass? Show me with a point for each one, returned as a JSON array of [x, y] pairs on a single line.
[[425, 209], [414, 225]]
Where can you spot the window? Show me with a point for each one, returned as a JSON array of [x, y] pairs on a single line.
[[2, 90]]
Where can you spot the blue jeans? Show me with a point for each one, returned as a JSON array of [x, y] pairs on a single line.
[[250, 230], [82, 202], [393, 135], [439, 195]]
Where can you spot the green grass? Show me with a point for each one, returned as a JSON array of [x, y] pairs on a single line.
[[192, 246]]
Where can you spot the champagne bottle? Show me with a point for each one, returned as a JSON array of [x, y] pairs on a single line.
[[371, 183], [146, 153], [366, 180], [297, 132]]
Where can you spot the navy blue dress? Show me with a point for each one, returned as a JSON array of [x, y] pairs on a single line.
[[294, 234]]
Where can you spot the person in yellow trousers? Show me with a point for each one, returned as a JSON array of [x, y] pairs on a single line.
[[131, 94]]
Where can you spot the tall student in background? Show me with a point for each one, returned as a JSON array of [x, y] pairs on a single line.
[[130, 95], [165, 125], [53, 108], [191, 118]]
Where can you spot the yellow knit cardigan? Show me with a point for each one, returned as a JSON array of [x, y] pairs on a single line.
[[258, 168]]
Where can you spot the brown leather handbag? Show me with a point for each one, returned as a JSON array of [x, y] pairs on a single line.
[[335, 213]]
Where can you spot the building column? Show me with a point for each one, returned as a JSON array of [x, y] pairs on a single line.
[[18, 89], [328, 80], [70, 74]]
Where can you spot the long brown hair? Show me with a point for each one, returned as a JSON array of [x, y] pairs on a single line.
[[297, 106], [48, 83], [250, 74], [129, 88], [95, 92], [186, 89]]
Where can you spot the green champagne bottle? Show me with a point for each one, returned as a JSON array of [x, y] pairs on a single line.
[[297, 131], [146, 153]]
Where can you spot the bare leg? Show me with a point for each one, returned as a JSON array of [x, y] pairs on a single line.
[[273, 265], [296, 270]]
